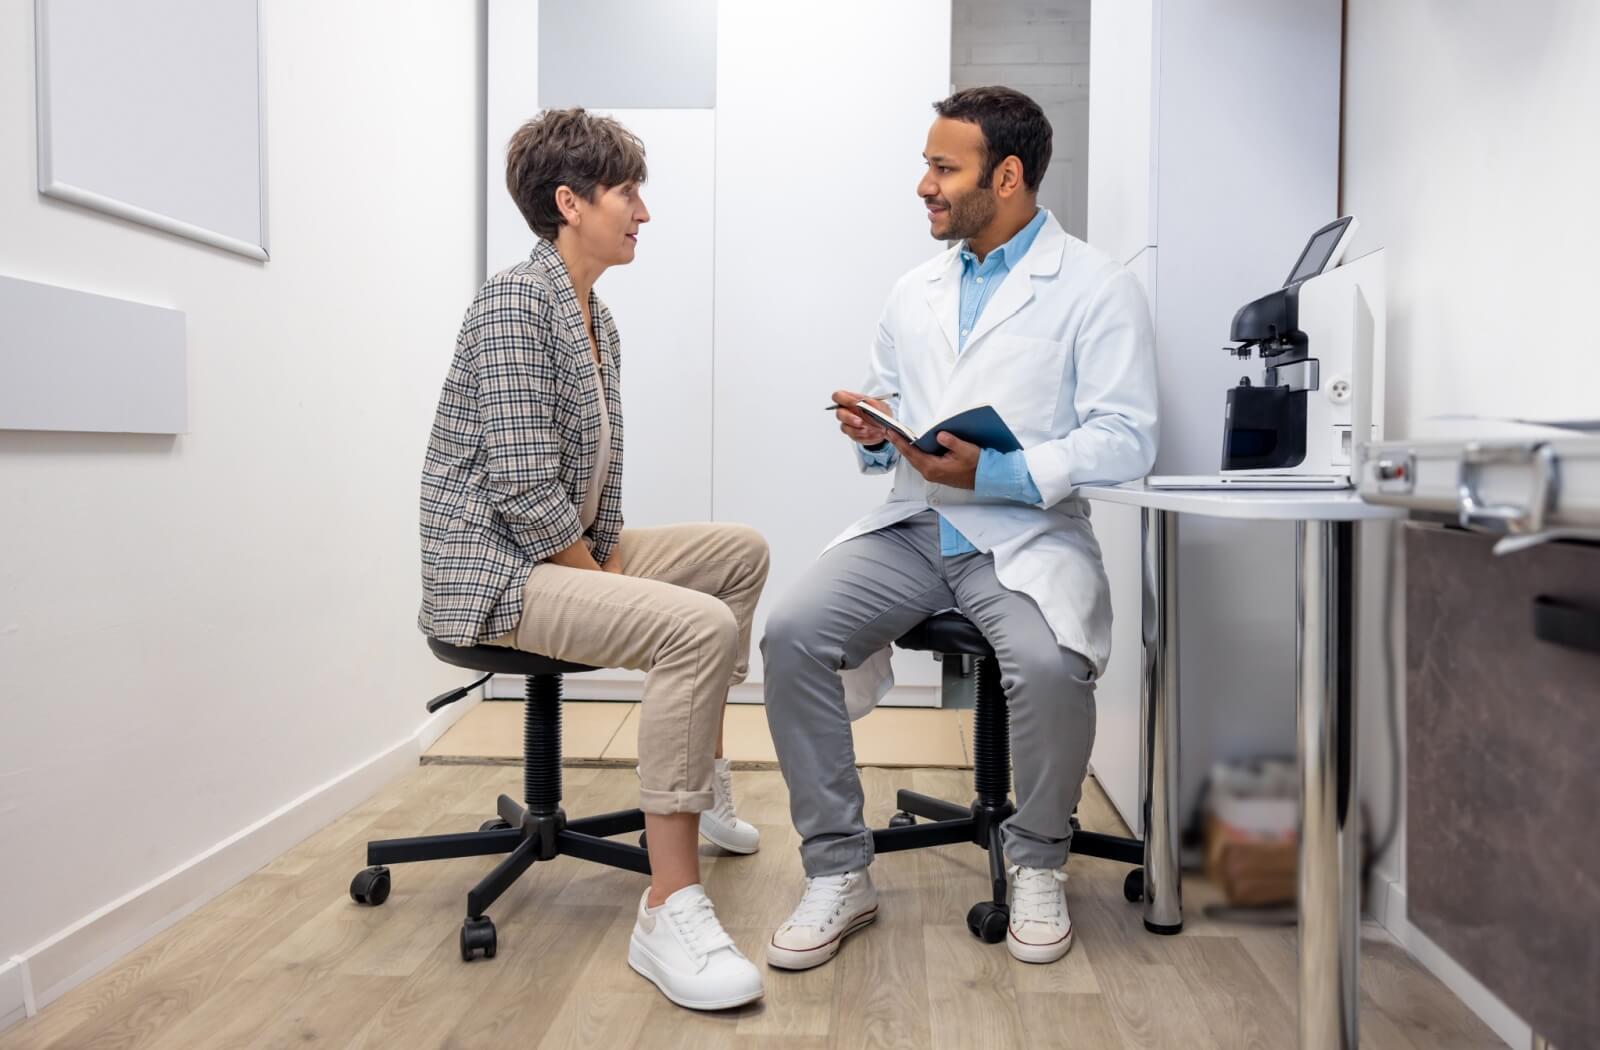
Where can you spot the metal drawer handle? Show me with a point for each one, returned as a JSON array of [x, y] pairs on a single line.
[[1566, 624], [1506, 517]]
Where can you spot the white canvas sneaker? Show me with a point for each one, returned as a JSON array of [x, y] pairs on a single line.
[[682, 949], [720, 824], [834, 907], [1040, 930]]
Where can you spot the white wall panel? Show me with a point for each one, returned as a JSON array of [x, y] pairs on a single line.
[[817, 216], [662, 301], [1180, 161], [1122, 127]]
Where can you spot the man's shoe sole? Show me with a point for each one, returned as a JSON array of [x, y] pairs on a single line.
[[1038, 953], [806, 958]]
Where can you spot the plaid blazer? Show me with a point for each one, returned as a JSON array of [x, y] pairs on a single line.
[[513, 449]]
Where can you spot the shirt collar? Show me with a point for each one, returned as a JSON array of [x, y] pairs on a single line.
[[1014, 249]]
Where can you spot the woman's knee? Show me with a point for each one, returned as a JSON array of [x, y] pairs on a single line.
[[708, 622], [751, 546]]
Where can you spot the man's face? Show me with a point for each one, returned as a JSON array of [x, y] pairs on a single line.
[[958, 207]]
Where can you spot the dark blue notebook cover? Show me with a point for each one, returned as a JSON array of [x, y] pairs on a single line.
[[981, 426]]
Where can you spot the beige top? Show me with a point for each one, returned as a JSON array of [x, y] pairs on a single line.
[[602, 463]]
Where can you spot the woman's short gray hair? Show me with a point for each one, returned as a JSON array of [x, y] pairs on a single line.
[[572, 148]]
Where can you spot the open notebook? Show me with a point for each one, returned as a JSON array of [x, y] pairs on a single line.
[[982, 426]]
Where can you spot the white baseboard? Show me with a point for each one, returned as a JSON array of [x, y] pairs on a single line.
[[1389, 908], [13, 1004], [51, 968]]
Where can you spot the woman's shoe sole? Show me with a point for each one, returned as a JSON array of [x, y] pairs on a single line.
[[723, 845], [642, 963]]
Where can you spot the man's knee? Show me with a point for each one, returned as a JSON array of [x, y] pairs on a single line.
[[793, 628], [1055, 674]]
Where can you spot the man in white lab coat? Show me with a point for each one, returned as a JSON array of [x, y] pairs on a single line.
[[1057, 337]]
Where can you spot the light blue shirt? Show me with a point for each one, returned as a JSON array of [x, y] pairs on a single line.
[[1001, 475]]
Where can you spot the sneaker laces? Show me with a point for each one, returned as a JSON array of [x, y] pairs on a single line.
[[823, 900], [698, 928], [1035, 893], [722, 796]]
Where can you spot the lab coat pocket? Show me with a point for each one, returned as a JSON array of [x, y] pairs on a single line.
[[1021, 378]]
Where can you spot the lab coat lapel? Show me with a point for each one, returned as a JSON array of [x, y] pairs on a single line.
[[944, 299], [1016, 291]]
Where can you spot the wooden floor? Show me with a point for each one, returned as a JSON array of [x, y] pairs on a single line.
[[607, 734], [286, 959]]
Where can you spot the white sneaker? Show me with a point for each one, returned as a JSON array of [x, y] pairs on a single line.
[[682, 949], [1040, 930], [720, 824], [834, 907]]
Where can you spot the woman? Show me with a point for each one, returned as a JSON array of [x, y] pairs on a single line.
[[523, 543]]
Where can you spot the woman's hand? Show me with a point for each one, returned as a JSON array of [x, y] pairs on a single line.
[[614, 563], [857, 429], [577, 556]]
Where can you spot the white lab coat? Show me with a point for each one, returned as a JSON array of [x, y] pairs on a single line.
[[1065, 352]]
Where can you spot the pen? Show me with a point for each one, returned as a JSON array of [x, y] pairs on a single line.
[[869, 397]]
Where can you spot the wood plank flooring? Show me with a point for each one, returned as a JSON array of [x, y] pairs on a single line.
[[286, 959]]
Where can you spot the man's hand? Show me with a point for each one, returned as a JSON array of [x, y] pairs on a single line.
[[958, 467], [861, 430]]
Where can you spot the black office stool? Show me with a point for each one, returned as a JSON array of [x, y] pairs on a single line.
[[538, 830], [952, 634]]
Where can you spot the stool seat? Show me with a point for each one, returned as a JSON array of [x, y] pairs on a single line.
[[501, 659], [947, 632]]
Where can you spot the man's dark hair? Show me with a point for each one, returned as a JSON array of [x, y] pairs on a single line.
[[572, 148], [1013, 125]]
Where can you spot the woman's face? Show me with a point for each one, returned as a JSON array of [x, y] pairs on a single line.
[[608, 228]]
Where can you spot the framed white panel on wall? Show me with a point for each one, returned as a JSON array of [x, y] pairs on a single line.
[[155, 112], [822, 114]]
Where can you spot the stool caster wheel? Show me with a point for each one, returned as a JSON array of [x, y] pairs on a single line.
[[497, 824], [370, 886], [902, 820], [1133, 886], [988, 921], [477, 935], [644, 840]]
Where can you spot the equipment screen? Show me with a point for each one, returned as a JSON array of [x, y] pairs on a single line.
[[1317, 251]]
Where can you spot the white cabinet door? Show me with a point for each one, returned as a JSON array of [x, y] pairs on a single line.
[[822, 116]]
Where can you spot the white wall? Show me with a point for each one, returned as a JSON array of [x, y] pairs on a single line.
[[1231, 221], [1183, 189], [1041, 50], [197, 632], [747, 305], [1470, 153], [806, 255]]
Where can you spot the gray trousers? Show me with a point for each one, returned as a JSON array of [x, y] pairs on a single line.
[[859, 597]]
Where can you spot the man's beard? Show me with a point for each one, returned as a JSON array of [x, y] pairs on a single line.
[[970, 213]]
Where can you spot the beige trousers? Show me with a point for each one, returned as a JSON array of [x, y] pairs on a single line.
[[680, 610]]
